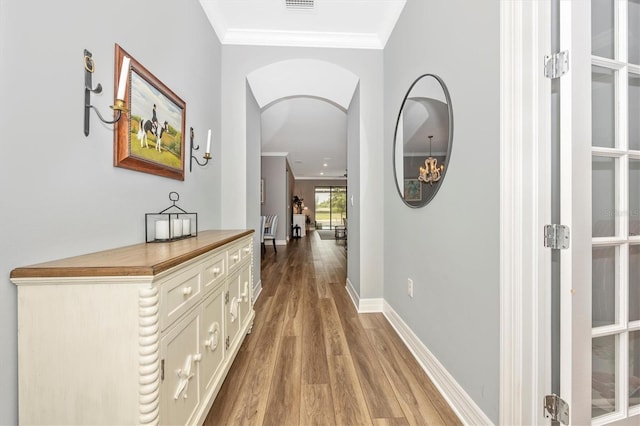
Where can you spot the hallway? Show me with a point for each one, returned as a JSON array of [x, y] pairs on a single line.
[[312, 359]]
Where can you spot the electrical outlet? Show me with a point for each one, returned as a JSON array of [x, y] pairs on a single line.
[[410, 287]]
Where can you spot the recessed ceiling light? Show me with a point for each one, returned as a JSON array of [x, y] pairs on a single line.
[[325, 164], [321, 173]]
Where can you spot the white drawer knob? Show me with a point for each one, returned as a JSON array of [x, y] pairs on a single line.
[[247, 249], [235, 257], [187, 291], [197, 358], [216, 271]]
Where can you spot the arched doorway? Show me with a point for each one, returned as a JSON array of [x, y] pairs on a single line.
[[314, 79]]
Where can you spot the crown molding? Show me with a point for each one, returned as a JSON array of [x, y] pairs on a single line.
[[302, 39]]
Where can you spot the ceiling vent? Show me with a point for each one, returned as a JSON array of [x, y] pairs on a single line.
[[300, 4]]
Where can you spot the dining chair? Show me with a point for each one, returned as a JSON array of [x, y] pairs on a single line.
[[270, 227], [263, 220]]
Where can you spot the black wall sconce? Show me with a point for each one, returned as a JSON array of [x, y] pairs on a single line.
[[207, 153], [118, 107]]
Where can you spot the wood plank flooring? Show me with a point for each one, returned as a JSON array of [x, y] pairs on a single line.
[[311, 359]]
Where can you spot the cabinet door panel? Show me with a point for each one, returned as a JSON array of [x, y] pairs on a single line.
[[245, 282], [233, 307], [180, 389], [212, 338]]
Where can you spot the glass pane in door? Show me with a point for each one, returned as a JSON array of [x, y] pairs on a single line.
[[603, 100], [330, 206], [604, 286], [634, 197], [634, 111], [602, 28], [322, 207], [338, 205], [605, 218], [603, 375], [634, 283], [634, 368], [633, 37]]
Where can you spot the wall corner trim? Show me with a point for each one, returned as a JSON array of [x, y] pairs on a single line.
[[525, 206], [355, 298], [257, 289], [461, 403]]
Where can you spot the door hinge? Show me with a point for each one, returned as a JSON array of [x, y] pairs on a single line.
[[162, 370], [226, 298], [226, 343], [556, 409], [556, 65], [556, 237]]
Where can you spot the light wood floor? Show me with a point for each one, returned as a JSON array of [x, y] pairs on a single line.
[[311, 359]]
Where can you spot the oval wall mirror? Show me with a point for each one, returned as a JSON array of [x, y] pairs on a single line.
[[422, 141]]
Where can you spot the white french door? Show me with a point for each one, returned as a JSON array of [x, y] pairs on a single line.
[[600, 202]]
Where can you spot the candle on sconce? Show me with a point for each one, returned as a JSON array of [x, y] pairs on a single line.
[[176, 224], [122, 83], [208, 151], [162, 230], [186, 227]]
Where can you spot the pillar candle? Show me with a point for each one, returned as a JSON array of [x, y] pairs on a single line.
[[177, 227], [124, 72], [162, 229], [208, 151], [186, 226]]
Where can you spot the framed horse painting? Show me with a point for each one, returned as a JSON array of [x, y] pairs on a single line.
[[151, 139]]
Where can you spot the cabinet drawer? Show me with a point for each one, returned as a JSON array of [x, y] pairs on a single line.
[[178, 294], [239, 252], [215, 270], [235, 256], [246, 248]]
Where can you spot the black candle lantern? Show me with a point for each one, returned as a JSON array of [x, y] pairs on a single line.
[[171, 224]]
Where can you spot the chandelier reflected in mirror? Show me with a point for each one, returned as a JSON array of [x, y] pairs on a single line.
[[430, 173]]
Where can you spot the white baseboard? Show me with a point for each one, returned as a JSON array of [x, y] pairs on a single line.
[[363, 306], [461, 403], [371, 305]]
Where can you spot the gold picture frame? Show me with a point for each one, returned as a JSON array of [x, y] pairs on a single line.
[[152, 137]]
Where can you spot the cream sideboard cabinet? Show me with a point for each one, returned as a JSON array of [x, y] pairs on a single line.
[[143, 334]]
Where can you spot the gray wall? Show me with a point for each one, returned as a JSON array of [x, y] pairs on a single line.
[[353, 193], [306, 189], [274, 173], [289, 216], [253, 180], [450, 248], [60, 190]]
